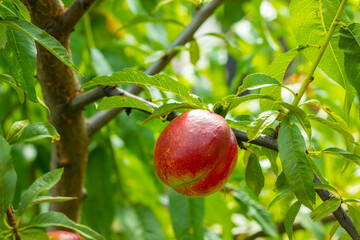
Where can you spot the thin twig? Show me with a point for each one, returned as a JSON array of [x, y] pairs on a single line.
[[268, 141], [74, 13], [103, 117], [12, 222]]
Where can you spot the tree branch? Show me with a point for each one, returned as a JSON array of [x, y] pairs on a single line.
[[12, 222], [103, 117], [267, 141], [73, 14]]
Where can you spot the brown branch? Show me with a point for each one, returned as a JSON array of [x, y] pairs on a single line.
[[12, 222], [74, 13], [103, 117], [265, 141]]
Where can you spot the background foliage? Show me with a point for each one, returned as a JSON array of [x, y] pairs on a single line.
[[125, 199]]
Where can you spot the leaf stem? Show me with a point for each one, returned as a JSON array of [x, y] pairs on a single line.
[[309, 78]]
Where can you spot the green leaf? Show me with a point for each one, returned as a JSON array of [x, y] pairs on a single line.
[[326, 187], [335, 126], [355, 216], [257, 80], [160, 81], [277, 71], [11, 81], [342, 153], [167, 108], [325, 209], [281, 183], [264, 120], [179, 211], [290, 218], [345, 236], [45, 182], [300, 115], [99, 62], [186, 215], [43, 199], [22, 9], [231, 46], [7, 177], [272, 156], [16, 129], [150, 225], [240, 121], [165, 2], [58, 219], [194, 51], [123, 102], [34, 132], [283, 194], [20, 55], [333, 229], [253, 174], [349, 43], [196, 214], [296, 167], [147, 19], [33, 234], [236, 101], [43, 38], [256, 211], [3, 36]]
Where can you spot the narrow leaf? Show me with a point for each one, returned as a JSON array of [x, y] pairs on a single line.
[[160, 81], [283, 194], [34, 132], [296, 167], [257, 80], [342, 153], [335, 126], [179, 211], [16, 129], [236, 101], [281, 183], [290, 218], [123, 102], [43, 199], [58, 219], [196, 215], [277, 71], [355, 216], [253, 174], [20, 54], [264, 120], [165, 109], [7, 177], [45, 182], [333, 229], [43, 38], [22, 9], [256, 211], [11, 81], [3, 36], [349, 43], [325, 209], [300, 115], [326, 187], [194, 51]]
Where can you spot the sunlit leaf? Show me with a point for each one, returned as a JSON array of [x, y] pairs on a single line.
[[33, 234], [296, 167], [43, 199], [290, 218], [123, 102], [10, 80], [325, 209], [45, 182], [283, 194], [160, 81], [257, 80], [264, 120]]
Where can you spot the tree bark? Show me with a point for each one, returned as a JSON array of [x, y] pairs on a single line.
[[59, 85]]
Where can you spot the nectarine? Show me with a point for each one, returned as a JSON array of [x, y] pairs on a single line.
[[196, 153], [63, 235]]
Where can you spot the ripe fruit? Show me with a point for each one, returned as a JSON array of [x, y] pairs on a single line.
[[196, 153], [63, 235]]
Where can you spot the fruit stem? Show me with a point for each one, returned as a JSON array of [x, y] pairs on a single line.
[[309, 78]]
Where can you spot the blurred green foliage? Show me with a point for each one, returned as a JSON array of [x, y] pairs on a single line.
[[125, 199]]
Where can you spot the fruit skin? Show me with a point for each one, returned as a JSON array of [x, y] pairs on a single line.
[[196, 153], [63, 235]]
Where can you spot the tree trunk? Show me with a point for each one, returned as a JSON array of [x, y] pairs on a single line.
[[59, 85]]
